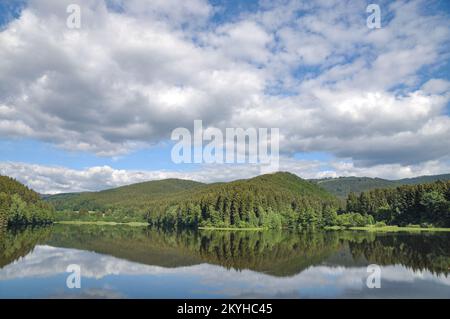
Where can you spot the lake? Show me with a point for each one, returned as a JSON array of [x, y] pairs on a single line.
[[140, 262]]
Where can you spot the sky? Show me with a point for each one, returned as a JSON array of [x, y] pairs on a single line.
[[93, 108]]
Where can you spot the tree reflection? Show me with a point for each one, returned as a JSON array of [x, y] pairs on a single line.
[[279, 253], [19, 242], [417, 251]]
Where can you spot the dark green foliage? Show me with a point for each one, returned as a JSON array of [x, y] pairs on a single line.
[[354, 220], [18, 242], [20, 205], [270, 201], [279, 253], [407, 204], [118, 204], [343, 186], [418, 253]]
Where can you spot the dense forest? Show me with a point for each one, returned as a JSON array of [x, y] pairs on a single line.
[[343, 186], [20, 205], [423, 204], [136, 198], [123, 203], [285, 200], [269, 201]]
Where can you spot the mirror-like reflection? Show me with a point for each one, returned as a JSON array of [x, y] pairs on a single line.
[[19, 242], [122, 261]]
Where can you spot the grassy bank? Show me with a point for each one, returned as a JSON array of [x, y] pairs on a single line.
[[390, 229], [100, 223], [232, 228]]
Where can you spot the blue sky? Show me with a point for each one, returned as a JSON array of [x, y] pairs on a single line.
[[96, 105]]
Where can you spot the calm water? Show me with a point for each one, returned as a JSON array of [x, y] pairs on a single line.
[[134, 262]]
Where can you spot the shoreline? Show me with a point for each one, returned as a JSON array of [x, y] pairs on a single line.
[[232, 228], [355, 228], [389, 229], [100, 223]]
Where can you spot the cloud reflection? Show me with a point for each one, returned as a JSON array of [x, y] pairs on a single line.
[[319, 281]]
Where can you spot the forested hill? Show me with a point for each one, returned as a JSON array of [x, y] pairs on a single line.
[[342, 186], [135, 196], [269, 200], [21, 205], [10, 186], [279, 198], [427, 204]]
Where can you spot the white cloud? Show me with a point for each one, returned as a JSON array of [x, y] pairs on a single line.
[[437, 86], [173, 12], [244, 40], [132, 74], [59, 179]]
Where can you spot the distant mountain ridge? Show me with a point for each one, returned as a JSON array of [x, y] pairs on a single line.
[[269, 201], [342, 186], [134, 195], [141, 194], [153, 190], [274, 200]]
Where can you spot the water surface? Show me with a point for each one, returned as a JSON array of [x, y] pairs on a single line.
[[139, 262]]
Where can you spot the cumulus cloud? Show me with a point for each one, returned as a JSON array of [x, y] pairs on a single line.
[[138, 69], [59, 179]]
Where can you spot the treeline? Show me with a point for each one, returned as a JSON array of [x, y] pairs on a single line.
[[285, 200], [273, 212], [343, 186], [424, 204], [106, 215], [127, 199], [269, 201], [20, 205], [280, 200]]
